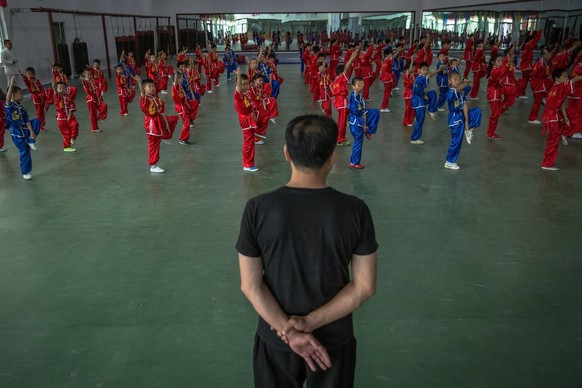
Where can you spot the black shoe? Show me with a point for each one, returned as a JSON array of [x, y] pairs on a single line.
[[185, 142]]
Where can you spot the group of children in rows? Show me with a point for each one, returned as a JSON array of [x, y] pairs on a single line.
[[385, 61], [187, 90]]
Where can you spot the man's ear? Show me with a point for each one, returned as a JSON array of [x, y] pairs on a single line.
[[286, 153]]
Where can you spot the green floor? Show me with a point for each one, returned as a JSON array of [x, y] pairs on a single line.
[[113, 277]]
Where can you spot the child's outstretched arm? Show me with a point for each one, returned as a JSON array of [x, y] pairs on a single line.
[[137, 79]]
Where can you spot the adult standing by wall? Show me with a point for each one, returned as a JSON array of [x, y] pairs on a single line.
[[296, 245], [9, 61]]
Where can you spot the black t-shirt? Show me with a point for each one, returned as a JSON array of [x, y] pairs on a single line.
[[306, 239]]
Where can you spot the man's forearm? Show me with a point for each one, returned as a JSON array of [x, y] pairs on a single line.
[[266, 305]]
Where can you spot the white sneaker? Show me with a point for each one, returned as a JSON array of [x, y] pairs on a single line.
[[452, 166], [416, 142], [523, 97], [564, 140], [126, 114], [163, 92], [251, 169], [410, 125], [550, 168], [33, 146], [3, 150], [544, 101], [474, 98], [166, 142], [385, 110], [191, 125], [396, 88], [27, 177], [574, 136], [209, 91], [260, 142], [441, 110], [469, 136], [260, 136], [273, 121], [156, 168], [217, 85], [432, 115], [536, 121]]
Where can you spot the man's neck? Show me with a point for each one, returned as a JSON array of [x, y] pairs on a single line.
[[308, 180]]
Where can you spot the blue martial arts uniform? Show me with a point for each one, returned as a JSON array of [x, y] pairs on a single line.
[[357, 109], [456, 101], [420, 102], [230, 60], [442, 83], [17, 121]]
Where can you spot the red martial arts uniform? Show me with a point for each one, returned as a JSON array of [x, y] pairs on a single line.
[[325, 93], [57, 77], [187, 109], [409, 114], [97, 107], [124, 93], [339, 90], [553, 120], [99, 80], [367, 72], [314, 77], [540, 84], [574, 109], [346, 59], [65, 107], [334, 55], [494, 95], [468, 57], [510, 87], [39, 99], [155, 126], [244, 109], [388, 78], [479, 71], [527, 54], [265, 108]]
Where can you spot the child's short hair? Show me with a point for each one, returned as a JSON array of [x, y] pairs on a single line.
[[244, 77], [356, 79], [454, 60], [16, 89], [315, 49], [320, 55], [453, 74], [271, 55], [148, 81], [96, 60], [212, 46], [558, 72], [422, 64], [256, 77], [439, 54], [180, 64], [57, 64], [119, 66], [339, 69], [60, 83], [31, 69], [387, 52]]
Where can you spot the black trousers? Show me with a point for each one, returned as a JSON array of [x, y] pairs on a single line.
[[276, 368]]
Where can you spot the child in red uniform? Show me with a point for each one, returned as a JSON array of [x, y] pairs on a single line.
[[58, 76], [540, 84], [97, 107], [479, 69], [367, 71], [527, 53], [187, 110], [38, 95], [388, 79], [335, 53], [408, 79], [498, 68], [555, 118], [340, 91], [509, 88], [468, 56], [574, 108], [245, 111], [157, 125], [124, 92], [99, 77], [64, 98], [263, 103], [324, 88]]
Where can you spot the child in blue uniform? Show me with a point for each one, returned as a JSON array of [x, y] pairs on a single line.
[[421, 99], [442, 80], [22, 129], [461, 118], [230, 60], [363, 122]]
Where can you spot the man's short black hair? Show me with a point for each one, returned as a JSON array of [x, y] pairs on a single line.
[[311, 140]]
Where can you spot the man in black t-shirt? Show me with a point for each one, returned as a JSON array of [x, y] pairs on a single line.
[[295, 247]]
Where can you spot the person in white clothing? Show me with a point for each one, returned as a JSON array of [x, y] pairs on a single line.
[[9, 61]]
